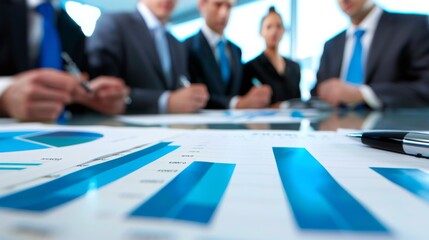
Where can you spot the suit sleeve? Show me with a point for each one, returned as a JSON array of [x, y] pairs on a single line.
[[323, 69], [107, 56], [412, 89], [248, 74]]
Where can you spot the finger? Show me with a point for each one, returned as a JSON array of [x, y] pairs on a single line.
[[41, 93], [55, 79], [45, 110]]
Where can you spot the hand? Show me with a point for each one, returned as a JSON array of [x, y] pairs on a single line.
[[257, 97], [335, 91], [188, 100], [107, 96], [38, 95], [351, 120]]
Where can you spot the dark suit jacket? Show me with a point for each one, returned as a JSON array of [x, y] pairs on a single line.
[[397, 67], [203, 68], [14, 52], [284, 87], [123, 46]]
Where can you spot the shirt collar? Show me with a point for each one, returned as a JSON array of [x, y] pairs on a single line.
[[151, 20], [368, 24], [212, 37], [34, 3]]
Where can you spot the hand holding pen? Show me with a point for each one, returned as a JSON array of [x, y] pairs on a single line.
[[72, 68]]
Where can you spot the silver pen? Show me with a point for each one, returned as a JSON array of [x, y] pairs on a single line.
[[184, 81], [72, 68], [411, 143]]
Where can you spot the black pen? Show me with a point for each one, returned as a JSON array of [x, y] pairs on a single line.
[[412, 143], [72, 68]]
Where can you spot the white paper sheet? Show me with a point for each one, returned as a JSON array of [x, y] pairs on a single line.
[[253, 206], [224, 117]]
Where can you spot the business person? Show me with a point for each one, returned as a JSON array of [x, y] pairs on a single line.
[[33, 86], [282, 74], [381, 60], [216, 62], [136, 47]]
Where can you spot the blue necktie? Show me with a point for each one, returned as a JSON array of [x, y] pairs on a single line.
[[50, 50], [163, 52], [355, 73], [50, 47], [223, 62]]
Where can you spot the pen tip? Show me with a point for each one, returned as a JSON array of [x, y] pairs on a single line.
[[355, 135]]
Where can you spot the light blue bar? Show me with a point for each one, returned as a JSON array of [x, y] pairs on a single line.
[[20, 164], [67, 188], [318, 202], [414, 181], [192, 196], [11, 169], [211, 187]]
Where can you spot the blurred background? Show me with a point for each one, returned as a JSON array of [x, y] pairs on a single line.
[[309, 24]]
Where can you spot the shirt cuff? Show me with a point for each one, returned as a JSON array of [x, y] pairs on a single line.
[[369, 97], [5, 82], [163, 102], [233, 102]]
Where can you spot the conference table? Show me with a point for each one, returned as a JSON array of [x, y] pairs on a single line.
[[330, 120]]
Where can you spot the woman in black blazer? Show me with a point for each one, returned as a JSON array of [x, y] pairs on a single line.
[[282, 74]]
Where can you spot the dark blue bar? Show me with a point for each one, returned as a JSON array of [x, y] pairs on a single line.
[[67, 188], [318, 202], [413, 180], [11, 169], [160, 204], [191, 196], [19, 164]]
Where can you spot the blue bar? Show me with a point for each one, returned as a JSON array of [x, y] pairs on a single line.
[[192, 196], [20, 164], [67, 188], [413, 180], [318, 202], [10, 169]]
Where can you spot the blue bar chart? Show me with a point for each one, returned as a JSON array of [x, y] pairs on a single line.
[[10, 166], [192, 196], [413, 180], [318, 202], [74, 185]]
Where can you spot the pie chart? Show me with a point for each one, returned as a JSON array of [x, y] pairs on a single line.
[[34, 140]]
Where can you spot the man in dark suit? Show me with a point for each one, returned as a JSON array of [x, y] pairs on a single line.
[[136, 47], [28, 92], [216, 62], [394, 51]]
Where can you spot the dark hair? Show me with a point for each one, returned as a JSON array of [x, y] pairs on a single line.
[[271, 10]]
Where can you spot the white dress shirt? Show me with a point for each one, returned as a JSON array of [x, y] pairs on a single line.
[[369, 25]]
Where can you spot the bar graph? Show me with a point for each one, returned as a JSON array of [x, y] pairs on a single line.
[[64, 189], [413, 180], [11, 166], [318, 202], [34, 140], [192, 196]]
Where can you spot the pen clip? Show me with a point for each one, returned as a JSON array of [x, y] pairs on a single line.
[[184, 81]]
